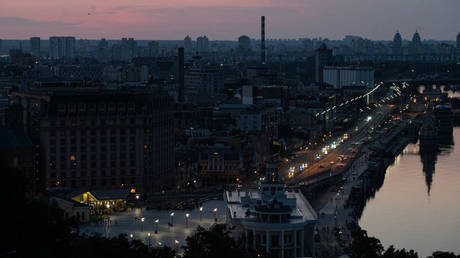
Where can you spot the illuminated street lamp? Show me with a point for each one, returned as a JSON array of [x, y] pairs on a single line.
[[156, 225], [215, 214], [172, 218], [142, 223], [148, 234], [187, 216], [176, 244], [201, 212]]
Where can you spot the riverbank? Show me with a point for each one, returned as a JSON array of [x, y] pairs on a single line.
[[340, 205]]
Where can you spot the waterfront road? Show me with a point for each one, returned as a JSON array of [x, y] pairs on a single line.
[[337, 159]]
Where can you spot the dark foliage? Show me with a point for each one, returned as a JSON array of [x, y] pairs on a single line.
[[215, 242]]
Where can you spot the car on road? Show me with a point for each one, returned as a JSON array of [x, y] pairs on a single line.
[[332, 162]]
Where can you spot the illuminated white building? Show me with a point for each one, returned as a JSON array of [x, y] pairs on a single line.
[[272, 219]]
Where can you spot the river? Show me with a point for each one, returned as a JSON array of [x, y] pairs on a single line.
[[418, 205]]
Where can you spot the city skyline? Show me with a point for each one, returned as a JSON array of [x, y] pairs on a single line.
[[226, 20]]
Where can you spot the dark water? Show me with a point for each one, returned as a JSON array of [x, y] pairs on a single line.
[[418, 206]]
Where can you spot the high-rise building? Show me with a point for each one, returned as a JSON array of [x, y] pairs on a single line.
[[128, 49], [188, 45], [323, 57], [35, 46], [262, 39], [181, 72], [83, 47], [308, 45], [206, 81], [244, 44], [100, 139], [202, 45], [62, 47], [458, 40], [154, 48], [396, 48], [1, 46], [279, 221], [102, 50], [103, 44]]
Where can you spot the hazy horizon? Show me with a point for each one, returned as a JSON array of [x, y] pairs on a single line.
[[228, 19]]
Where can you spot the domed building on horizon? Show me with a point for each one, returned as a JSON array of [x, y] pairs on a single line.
[[396, 48]]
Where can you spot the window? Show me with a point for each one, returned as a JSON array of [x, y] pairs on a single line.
[[92, 107], [82, 107], [131, 107], [61, 108], [72, 108], [102, 108], [112, 108]]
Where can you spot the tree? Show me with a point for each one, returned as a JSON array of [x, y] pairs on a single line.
[[215, 242], [364, 246], [391, 252], [440, 254], [97, 246]]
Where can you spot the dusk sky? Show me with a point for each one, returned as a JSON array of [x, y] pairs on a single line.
[[228, 19]]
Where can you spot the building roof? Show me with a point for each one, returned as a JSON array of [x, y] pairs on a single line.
[[237, 205], [111, 194]]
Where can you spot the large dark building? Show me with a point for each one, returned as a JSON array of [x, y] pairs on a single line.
[[323, 57], [100, 139]]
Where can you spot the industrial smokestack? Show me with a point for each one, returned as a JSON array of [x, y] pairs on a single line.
[[262, 39], [180, 97]]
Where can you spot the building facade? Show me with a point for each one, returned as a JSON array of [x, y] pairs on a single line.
[[272, 219], [202, 45], [62, 47], [340, 77], [220, 165], [396, 48], [101, 139], [206, 82], [458, 41], [35, 46], [323, 57]]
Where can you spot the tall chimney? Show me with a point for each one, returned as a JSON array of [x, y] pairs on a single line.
[[262, 39], [180, 97]]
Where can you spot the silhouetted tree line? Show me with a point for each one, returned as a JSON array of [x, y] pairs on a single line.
[[364, 246]]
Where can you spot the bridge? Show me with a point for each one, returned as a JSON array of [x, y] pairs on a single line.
[[414, 82]]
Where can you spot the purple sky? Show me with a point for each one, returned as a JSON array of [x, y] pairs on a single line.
[[228, 19]]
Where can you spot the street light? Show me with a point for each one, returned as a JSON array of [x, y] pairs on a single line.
[[176, 244], [142, 223], [186, 219], [148, 234], [172, 218], [215, 214], [156, 225], [201, 212]]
